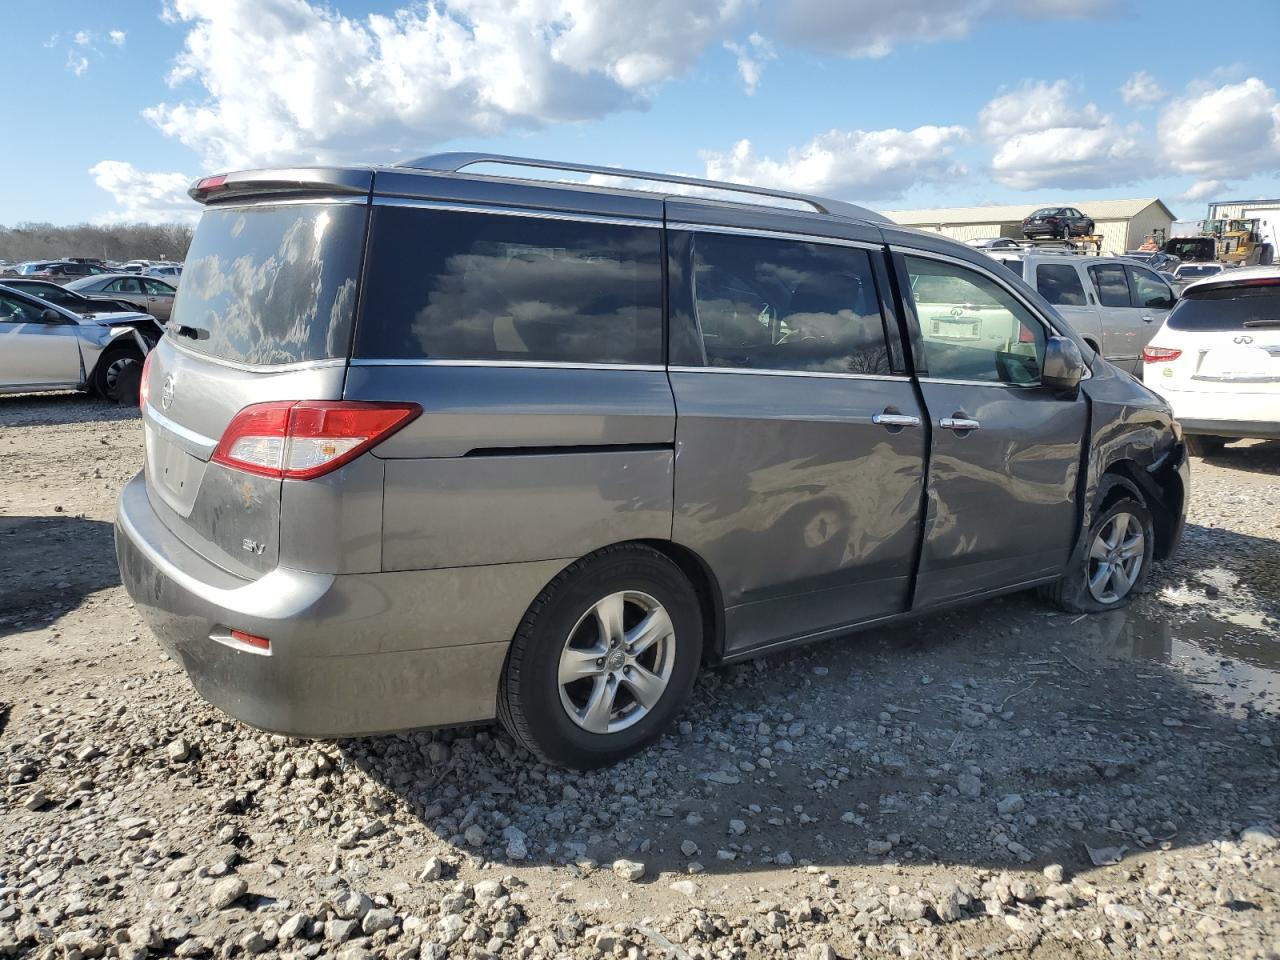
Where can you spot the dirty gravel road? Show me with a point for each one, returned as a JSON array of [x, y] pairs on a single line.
[[1002, 780]]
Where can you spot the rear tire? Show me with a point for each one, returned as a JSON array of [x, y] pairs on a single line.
[[1112, 561], [113, 377], [1206, 446], [572, 692]]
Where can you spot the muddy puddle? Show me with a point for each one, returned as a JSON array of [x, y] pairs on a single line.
[[1233, 653]]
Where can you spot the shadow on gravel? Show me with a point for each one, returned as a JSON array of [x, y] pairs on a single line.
[[33, 409], [1262, 456], [1000, 735], [48, 565]]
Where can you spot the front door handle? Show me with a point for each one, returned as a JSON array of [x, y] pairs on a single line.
[[895, 420], [958, 424], [1148, 319]]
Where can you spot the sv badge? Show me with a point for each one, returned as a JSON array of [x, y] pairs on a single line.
[[252, 546]]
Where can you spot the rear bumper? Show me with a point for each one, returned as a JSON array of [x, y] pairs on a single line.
[[350, 654], [1041, 230], [1237, 429], [1224, 414]]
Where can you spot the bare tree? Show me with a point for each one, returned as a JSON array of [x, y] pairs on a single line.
[[125, 241]]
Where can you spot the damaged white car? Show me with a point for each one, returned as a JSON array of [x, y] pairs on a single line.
[[46, 347]]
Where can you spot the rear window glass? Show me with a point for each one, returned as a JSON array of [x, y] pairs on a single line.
[[473, 286], [271, 284], [1112, 286], [1059, 283], [765, 304], [1241, 308]]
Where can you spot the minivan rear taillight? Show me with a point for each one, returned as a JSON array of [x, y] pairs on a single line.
[[304, 439], [144, 390], [1160, 354]]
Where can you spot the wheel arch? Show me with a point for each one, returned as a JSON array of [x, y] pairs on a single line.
[[707, 588], [1161, 492]]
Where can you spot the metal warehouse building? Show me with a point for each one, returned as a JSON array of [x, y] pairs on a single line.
[[1244, 210], [1123, 224]]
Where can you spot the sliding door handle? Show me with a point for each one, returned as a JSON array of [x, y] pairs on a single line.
[[958, 424], [895, 420]]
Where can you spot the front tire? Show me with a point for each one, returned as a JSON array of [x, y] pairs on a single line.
[[1111, 563], [604, 659], [118, 375]]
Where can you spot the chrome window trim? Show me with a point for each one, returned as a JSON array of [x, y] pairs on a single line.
[[825, 375], [992, 275], [172, 340], [539, 214], [774, 235], [520, 364], [285, 202]]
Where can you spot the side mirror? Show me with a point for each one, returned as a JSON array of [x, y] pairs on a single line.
[[51, 316], [1063, 366]]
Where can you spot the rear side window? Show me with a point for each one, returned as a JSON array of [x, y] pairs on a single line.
[[764, 304], [1242, 308], [1149, 290], [473, 286], [1109, 280], [1059, 283], [271, 284]]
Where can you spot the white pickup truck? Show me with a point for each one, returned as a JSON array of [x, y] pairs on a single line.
[[1116, 304]]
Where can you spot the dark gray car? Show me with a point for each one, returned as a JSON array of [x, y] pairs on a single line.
[[426, 447]]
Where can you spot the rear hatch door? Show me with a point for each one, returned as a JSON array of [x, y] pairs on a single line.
[[264, 312], [1230, 339]]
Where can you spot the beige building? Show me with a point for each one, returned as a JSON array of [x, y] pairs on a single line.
[[1123, 224]]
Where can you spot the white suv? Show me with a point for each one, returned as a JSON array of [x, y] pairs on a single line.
[[1217, 358]]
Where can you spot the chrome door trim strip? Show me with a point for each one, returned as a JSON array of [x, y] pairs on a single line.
[[793, 373], [775, 235], [520, 364], [541, 214]]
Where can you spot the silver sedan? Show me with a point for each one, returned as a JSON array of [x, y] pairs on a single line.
[[47, 347]]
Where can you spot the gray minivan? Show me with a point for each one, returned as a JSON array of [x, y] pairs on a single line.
[[425, 447]]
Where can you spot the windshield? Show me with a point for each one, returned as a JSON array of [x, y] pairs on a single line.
[[1206, 270], [1045, 212], [271, 284], [1229, 308]]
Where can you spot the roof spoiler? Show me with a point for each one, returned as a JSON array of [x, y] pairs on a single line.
[[296, 180], [456, 162]]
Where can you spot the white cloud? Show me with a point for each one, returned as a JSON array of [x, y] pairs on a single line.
[[144, 197], [52, 41], [1141, 90], [1034, 107], [289, 80], [1234, 128], [872, 28], [1203, 190], [117, 37], [1045, 141], [868, 164], [752, 57], [82, 38], [77, 64]]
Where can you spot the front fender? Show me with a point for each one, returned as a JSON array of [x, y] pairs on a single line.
[[1134, 434]]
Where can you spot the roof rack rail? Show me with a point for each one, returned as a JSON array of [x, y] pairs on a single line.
[[455, 162]]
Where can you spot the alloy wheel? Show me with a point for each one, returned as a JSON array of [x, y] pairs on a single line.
[[616, 662], [1115, 558]]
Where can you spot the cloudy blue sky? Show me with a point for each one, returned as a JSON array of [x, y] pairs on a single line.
[[898, 104]]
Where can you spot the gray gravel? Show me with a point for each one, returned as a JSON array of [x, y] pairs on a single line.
[[1000, 780]]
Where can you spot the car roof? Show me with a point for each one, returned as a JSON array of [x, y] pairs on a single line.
[[1239, 276]]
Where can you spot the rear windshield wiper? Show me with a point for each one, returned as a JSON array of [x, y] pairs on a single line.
[[195, 333], [1265, 322]]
